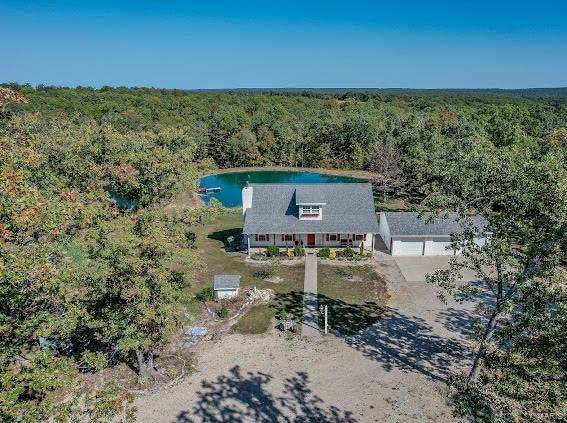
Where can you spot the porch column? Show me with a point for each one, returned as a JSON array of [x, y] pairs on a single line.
[[248, 242]]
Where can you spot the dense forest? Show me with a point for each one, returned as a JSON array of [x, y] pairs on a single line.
[[86, 284]]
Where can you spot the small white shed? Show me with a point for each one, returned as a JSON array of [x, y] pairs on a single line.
[[226, 286]]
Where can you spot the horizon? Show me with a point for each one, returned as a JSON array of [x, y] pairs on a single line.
[[360, 89], [320, 45]]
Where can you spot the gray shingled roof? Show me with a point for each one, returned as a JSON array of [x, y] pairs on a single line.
[[309, 194], [349, 208], [226, 282], [408, 223]]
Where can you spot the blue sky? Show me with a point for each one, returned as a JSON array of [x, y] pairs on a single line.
[[230, 44]]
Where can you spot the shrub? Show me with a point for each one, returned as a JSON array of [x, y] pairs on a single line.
[[339, 253], [223, 312], [324, 252], [266, 272], [273, 251], [332, 254], [298, 251], [348, 252], [258, 256], [281, 314], [206, 294]]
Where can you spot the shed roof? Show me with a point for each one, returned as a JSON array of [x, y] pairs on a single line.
[[226, 282], [411, 223], [349, 208]]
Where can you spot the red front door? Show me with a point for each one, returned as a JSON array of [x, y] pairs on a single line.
[[310, 240]]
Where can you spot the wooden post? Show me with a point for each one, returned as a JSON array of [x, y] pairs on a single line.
[[248, 239], [326, 321]]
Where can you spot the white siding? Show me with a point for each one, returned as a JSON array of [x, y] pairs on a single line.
[[227, 293], [384, 230], [438, 248], [407, 248]]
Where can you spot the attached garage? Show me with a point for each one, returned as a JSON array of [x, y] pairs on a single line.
[[438, 248], [409, 234], [407, 248]]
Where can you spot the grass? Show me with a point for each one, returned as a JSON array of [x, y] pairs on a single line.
[[193, 305], [355, 295], [211, 240], [353, 304], [390, 204], [257, 320], [364, 284]]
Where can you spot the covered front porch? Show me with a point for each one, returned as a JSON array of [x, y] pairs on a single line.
[[310, 240]]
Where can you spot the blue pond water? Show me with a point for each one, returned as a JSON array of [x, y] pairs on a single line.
[[231, 184]]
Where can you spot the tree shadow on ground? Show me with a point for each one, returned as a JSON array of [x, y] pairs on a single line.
[[409, 343], [459, 321], [239, 397], [223, 235], [344, 318]]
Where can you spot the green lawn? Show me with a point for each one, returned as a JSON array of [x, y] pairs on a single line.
[[211, 239], [390, 204], [355, 294], [257, 320]]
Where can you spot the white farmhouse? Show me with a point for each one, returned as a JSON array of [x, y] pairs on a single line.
[[310, 215]]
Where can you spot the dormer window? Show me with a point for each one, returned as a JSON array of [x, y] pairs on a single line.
[[310, 211], [309, 200]]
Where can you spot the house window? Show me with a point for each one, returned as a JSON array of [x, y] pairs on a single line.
[[333, 237], [261, 237], [288, 237], [310, 211], [359, 238]]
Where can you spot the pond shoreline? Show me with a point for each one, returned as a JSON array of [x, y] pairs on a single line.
[[352, 173]]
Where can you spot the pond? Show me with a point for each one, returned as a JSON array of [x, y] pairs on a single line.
[[231, 184]]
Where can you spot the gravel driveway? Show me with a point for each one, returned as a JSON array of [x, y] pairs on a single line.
[[393, 371]]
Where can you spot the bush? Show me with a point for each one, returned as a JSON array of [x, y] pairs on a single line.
[[348, 252], [206, 294], [273, 251], [332, 254], [223, 312], [339, 253], [324, 252], [266, 272], [281, 314], [298, 251]]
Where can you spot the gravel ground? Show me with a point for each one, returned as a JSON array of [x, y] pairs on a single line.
[[394, 371]]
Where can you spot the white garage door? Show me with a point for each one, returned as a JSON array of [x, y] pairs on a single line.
[[437, 248], [410, 248]]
